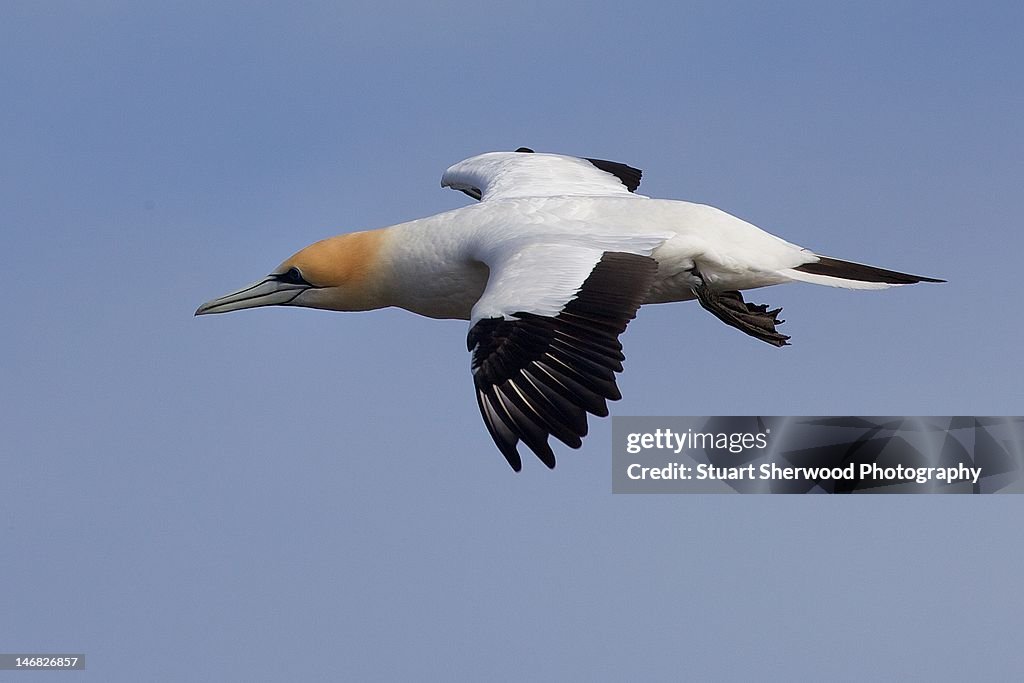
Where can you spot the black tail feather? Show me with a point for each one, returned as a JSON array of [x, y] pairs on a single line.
[[848, 270]]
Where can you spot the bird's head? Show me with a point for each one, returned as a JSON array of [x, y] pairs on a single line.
[[340, 273]]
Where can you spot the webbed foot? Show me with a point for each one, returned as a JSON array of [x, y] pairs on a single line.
[[729, 307]]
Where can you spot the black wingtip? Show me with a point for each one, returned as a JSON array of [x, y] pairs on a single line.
[[511, 454], [538, 376], [627, 175]]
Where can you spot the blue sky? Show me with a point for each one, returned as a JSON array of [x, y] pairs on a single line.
[[297, 495]]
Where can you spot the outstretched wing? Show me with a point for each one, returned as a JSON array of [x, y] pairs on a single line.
[[541, 363], [506, 175]]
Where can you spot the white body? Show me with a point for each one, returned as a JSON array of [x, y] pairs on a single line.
[[436, 266]]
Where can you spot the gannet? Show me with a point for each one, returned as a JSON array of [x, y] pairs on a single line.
[[549, 267]]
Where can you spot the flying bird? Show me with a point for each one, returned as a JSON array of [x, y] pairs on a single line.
[[549, 267]]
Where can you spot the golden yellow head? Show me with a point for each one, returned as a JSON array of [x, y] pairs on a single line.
[[340, 261], [340, 273]]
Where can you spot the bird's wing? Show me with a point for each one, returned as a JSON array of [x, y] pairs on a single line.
[[506, 175], [544, 340]]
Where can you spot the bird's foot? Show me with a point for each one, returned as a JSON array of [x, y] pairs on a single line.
[[729, 307]]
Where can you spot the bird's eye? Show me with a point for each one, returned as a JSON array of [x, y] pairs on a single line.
[[293, 277]]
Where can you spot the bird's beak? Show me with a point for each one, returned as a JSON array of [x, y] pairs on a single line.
[[267, 292]]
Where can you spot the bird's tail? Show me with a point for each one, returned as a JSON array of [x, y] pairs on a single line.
[[836, 273]]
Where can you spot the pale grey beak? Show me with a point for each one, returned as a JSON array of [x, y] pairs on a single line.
[[268, 292]]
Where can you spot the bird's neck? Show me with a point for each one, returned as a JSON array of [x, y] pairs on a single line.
[[426, 266]]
